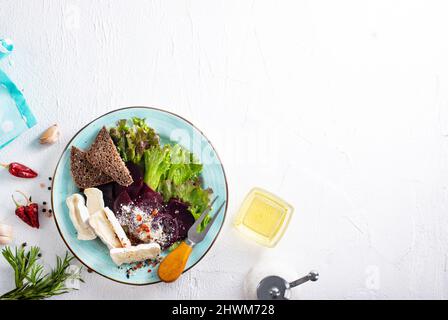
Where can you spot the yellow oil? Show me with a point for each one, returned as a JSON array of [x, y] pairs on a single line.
[[263, 217]]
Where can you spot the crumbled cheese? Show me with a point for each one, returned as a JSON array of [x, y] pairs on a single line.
[[141, 225]]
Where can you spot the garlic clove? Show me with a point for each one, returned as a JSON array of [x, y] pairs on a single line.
[[5, 230], [51, 135], [5, 240]]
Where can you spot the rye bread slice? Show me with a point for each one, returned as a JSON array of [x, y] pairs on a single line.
[[84, 174], [104, 156]]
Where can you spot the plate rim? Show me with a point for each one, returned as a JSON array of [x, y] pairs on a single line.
[[99, 117]]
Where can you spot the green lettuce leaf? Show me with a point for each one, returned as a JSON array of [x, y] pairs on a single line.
[[157, 163], [184, 166], [119, 136], [132, 138], [174, 172]]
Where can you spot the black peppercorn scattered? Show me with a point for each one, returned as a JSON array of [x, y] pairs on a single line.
[[44, 203], [49, 188], [44, 210]]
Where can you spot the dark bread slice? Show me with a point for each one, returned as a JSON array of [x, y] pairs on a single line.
[[83, 173], [104, 156]]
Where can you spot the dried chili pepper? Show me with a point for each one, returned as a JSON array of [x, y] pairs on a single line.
[[20, 170], [28, 213]]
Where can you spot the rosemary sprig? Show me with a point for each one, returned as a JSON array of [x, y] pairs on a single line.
[[30, 280]]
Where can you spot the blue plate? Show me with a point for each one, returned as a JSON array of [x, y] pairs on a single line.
[[171, 129]]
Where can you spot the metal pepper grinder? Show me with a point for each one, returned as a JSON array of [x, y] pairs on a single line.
[[277, 288]]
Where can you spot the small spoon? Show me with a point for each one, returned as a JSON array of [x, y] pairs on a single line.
[[277, 288], [312, 276]]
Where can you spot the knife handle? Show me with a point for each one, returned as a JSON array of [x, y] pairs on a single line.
[[174, 263]]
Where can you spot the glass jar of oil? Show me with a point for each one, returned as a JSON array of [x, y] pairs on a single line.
[[263, 217]]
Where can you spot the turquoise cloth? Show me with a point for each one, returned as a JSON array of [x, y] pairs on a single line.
[[15, 115]]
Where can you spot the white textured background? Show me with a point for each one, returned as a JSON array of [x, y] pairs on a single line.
[[340, 107]]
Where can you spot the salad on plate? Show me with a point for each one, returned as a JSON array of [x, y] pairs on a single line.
[[137, 196]]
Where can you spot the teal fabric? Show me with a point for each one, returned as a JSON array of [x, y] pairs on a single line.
[[15, 115]]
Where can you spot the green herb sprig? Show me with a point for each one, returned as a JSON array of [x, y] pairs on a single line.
[[31, 281]]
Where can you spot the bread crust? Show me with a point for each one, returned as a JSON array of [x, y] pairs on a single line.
[[104, 156], [84, 174]]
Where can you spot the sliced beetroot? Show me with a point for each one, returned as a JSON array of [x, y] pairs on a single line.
[[148, 202], [118, 189], [107, 189], [108, 194], [136, 171], [134, 189], [174, 216], [175, 206], [122, 200], [180, 212], [170, 227], [147, 192]]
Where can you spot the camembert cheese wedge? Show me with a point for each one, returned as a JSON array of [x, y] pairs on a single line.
[[108, 229], [80, 215], [138, 253]]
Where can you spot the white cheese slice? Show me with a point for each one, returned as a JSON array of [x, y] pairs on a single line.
[[79, 214], [95, 201], [138, 253], [108, 229], [118, 229]]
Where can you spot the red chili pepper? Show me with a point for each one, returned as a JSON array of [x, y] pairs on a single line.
[[28, 213], [20, 170]]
